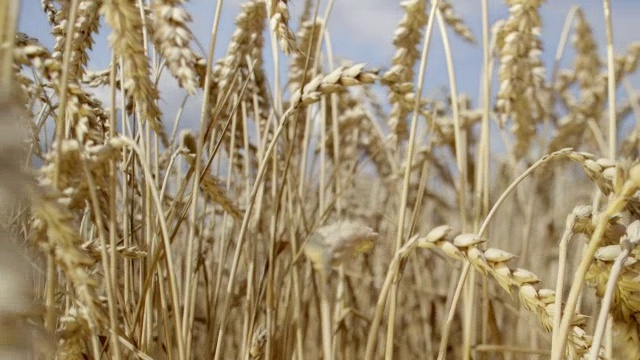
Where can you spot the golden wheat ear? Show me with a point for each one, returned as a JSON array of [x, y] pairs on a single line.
[[279, 22]]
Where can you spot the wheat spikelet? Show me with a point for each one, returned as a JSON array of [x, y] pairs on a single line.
[[625, 186], [256, 96], [247, 36], [244, 53], [279, 21], [126, 39], [455, 21], [65, 160], [86, 25], [98, 78], [374, 146], [301, 63], [54, 229], [335, 81], [242, 65], [586, 72], [609, 175], [50, 10], [172, 36], [258, 342], [537, 300], [572, 127], [630, 146], [358, 133], [406, 38], [521, 94], [74, 185], [627, 63], [73, 330], [88, 120], [129, 252], [627, 337], [443, 123], [625, 303]]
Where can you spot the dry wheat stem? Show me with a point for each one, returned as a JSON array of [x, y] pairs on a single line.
[[8, 19], [391, 274], [611, 81], [342, 77], [562, 262], [405, 185], [482, 182], [61, 121], [461, 153], [110, 283], [205, 108], [164, 232]]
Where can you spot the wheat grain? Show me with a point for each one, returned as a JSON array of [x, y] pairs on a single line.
[[279, 22], [335, 81]]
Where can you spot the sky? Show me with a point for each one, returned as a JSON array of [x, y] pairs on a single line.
[[362, 31]]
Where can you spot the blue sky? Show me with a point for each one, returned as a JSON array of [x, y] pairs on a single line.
[[362, 31]]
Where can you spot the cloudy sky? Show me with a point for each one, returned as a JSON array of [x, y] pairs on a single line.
[[362, 31]]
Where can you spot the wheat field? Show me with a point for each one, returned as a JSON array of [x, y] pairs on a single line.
[[317, 207]]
